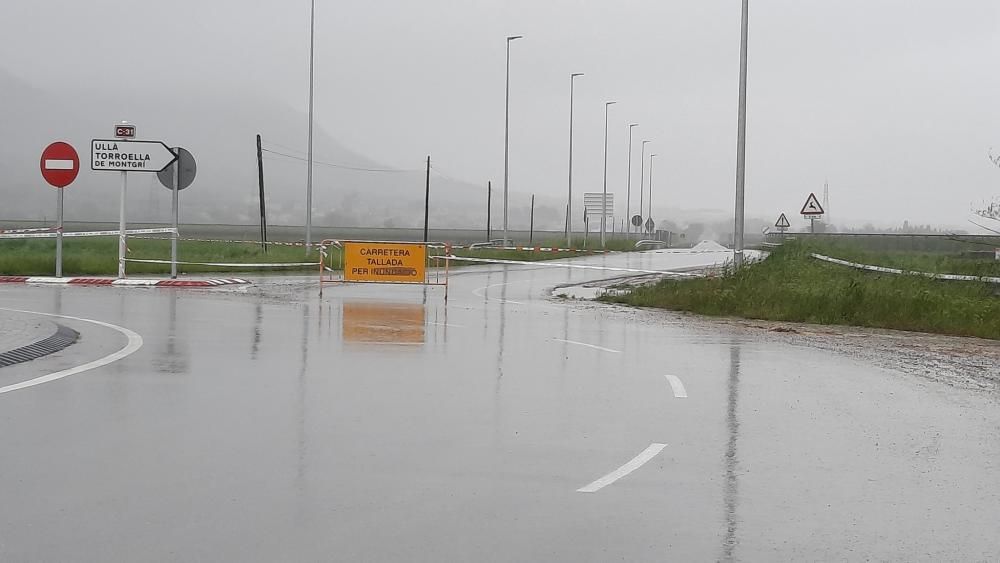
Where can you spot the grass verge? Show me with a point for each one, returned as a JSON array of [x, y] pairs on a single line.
[[792, 286], [938, 263], [99, 256]]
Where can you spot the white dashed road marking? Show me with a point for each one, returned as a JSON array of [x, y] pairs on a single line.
[[675, 383], [636, 462]]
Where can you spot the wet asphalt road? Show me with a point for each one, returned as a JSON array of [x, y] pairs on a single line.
[[378, 424]]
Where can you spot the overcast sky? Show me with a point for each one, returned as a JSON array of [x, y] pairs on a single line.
[[894, 102]]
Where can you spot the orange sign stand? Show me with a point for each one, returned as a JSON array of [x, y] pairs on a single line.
[[390, 262]]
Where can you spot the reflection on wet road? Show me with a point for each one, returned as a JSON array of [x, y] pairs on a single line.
[[380, 424]]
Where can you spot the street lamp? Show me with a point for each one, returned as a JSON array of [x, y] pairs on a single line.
[[741, 141], [651, 157], [604, 201], [309, 149], [642, 181], [628, 183], [506, 138], [569, 199]]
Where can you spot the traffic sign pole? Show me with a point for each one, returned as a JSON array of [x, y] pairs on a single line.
[[59, 165], [121, 227], [173, 207], [59, 233]]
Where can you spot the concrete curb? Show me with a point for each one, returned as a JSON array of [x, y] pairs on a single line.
[[131, 282]]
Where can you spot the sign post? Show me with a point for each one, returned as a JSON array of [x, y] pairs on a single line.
[[127, 156], [812, 210], [60, 164], [782, 224], [385, 262], [175, 178]]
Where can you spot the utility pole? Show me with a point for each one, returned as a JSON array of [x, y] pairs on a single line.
[[741, 140], [604, 201], [642, 182], [427, 197], [489, 207], [569, 198], [628, 183], [506, 139], [260, 186], [531, 228], [309, 170]]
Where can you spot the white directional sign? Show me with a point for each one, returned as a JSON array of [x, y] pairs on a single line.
[[812, 207], [594, 204], [130, 156]]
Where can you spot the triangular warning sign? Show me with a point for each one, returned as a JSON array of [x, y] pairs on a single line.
[[782, 222], [812, 206]]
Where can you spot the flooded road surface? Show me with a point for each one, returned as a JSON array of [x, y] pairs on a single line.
[[379, 424]]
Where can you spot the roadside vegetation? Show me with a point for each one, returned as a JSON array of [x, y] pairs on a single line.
[[791, 286], [980, 263], [99, 256]]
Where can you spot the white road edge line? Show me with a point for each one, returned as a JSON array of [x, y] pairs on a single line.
[[478, 292], [675, 383], [637, 462], [134, 343], [575, 343]]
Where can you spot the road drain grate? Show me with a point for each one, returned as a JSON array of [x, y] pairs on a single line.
[[63, 338]]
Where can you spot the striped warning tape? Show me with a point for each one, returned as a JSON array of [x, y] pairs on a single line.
[[35, 230], [523, 248], [564, 265], [134, 282], [225, 265], [269, 243], [85, 233]]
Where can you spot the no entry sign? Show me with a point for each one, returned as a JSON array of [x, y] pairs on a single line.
[[59, 164]]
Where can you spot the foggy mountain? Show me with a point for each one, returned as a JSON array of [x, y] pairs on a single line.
[[220, 132]]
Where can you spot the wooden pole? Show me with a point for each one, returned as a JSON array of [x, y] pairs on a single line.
[[260, 185], [427, 197], [531, 228]]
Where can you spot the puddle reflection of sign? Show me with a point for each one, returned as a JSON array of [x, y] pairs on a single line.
[[384, 262], [399, 323]]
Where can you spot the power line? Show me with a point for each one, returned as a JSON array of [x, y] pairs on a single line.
[[333, 165]]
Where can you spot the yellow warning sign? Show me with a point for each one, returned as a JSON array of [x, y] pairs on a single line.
[[385, 262], [399, 323]]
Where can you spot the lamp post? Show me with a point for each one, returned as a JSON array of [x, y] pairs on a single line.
[[604, 200], [628, 183], [569, 198], [506, 138], [309, 149], [741, 141], [642, 179], [651, 157]]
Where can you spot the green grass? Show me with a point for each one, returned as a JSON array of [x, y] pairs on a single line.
[[935, 262], [99, 256], [791, 286]]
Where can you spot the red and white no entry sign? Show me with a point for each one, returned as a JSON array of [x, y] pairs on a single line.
[[60, 164]]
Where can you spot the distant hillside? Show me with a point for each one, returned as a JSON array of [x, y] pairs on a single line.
[[221, 134]]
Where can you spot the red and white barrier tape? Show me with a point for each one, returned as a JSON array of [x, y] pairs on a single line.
[[543, 264], [35, 230], [123, 282], [884, 270], [84, 233], [226, 265]]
